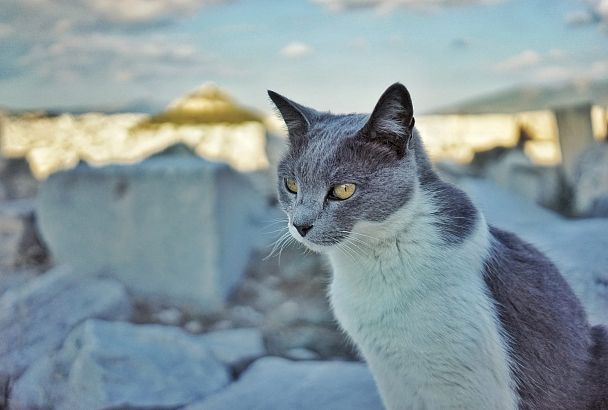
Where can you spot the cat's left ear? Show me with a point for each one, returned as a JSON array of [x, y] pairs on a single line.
[[297, 117], [392, 121]]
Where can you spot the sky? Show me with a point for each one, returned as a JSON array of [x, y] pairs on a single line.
[[334, 55]]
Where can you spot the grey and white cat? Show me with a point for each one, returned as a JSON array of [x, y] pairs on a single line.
[[449, 312]]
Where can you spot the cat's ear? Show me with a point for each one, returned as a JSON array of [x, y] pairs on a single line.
[[297, 117], [392, 121]]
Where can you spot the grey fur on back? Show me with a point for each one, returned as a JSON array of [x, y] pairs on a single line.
[[558, 360]]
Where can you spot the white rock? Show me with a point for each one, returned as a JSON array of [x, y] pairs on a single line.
[[578, 247], [175, 229], [36, 317], [119, 365], [194, 326], [169, 316], [300, 353], [233, 346], [278, 384]]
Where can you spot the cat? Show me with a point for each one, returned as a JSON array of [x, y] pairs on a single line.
[[448, 312]]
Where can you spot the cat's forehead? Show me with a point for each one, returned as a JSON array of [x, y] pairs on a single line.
[[323, 155]]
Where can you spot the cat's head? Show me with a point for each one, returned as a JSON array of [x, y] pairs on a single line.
[[344, 169]]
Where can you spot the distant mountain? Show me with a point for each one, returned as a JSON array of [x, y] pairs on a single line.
[[531, 98]]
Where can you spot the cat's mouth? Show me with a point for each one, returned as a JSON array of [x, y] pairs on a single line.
[[313, 244]]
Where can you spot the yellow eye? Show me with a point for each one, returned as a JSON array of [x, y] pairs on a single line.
[[343, 191], [291, 185]]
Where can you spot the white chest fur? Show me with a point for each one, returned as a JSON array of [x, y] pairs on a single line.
[[421, 316]]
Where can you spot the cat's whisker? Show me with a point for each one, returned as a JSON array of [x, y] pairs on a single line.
[[360, 241], [361, 251], [360, 234], [342, 248], [288, 242], [277, 244], [274, 231], [355, 255], [273, 224]]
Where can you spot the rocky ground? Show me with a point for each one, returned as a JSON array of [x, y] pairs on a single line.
[[72, 341]]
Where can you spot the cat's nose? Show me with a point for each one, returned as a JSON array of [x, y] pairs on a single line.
[[303, 229]]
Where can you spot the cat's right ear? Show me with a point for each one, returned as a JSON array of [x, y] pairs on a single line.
[[297, 117]]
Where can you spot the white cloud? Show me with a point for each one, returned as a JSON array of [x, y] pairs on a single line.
[[552, 66], [387, 5], [596, 70], [93, 13], [296, 49], [107, 39], [525, 59], [143, 11], [115, 57]]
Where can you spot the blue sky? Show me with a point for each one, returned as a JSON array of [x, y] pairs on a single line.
[[330, 54]]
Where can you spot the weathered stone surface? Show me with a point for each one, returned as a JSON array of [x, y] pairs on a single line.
[[277, 384], [233, 346], [578, 247], [591, 181], [540, 184], [19, 241], [17, 179], [13, 279], [286, 298], [106, 365], [36, 317], [175, 229]]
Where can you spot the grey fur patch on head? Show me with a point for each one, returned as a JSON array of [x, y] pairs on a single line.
[[380, 153]]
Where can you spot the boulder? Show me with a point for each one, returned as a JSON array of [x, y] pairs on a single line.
[[105, 365], [36, 317], [578, 247], [276, 384], [20, 244], [176, 229]]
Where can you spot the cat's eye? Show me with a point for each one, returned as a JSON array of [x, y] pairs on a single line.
[[292, 185], [342, 191]]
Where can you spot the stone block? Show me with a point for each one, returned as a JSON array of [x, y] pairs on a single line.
[[175, 229]]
